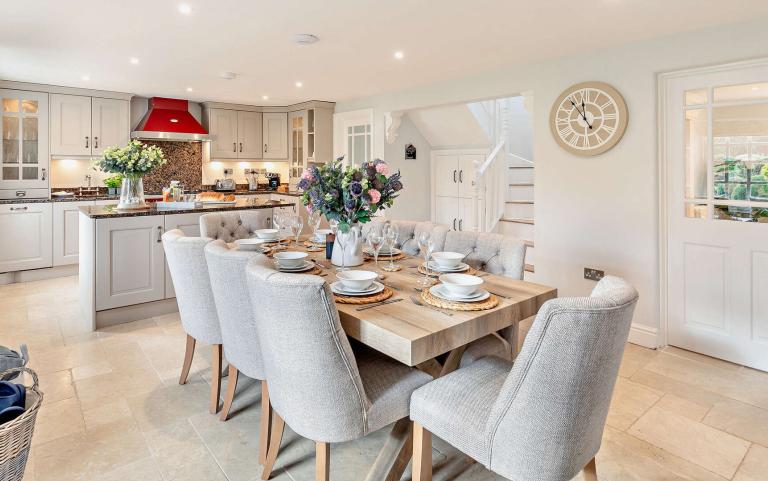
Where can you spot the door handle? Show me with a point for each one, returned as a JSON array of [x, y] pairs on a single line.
[[461, 174], [44, 174], [454, 224], [96, 142], [86, 142], [460, 221], [18, 208], [454, 176], [159, 234], [241, 146], [234, 146], [265, 147]]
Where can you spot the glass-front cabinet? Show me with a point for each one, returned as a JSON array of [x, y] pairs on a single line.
[[24, 155]]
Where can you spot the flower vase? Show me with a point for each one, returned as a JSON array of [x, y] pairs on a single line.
[[132, 193], [353, 252]]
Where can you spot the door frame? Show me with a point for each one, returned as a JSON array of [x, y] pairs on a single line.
[[665, 158], [340, 122]]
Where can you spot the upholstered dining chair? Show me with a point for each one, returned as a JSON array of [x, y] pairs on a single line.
[[408, 233], [189, 272], [541, 418], [230, 226], [317, 385]]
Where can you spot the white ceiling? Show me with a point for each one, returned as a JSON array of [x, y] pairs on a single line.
[[59, 41]]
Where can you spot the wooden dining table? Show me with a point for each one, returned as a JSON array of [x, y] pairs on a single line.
[[429, 338]]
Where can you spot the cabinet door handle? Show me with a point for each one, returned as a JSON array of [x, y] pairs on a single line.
[[159, 234], [461, 179], [241, 146], [18, 208], [86, 142], [96, 142], [265, 147], [45, 173], [454, 224], [460, 221], [234, 146], [454, 176]]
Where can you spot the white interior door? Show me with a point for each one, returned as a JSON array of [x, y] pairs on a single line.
[[716, 153]]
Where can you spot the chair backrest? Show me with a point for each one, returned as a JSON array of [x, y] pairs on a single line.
[[408, 233], [233, 304], [494, 253], [189, 272], [548, 420], [230, 226], [314, 383]]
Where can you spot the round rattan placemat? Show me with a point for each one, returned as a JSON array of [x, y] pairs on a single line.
[[382, 258], [378, 297], [471, 271], [313, 244], [432, 300]]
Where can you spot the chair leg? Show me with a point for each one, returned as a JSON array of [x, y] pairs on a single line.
[[265, 423], [422, 453], [230, 396], [215, 378], [275, 437], [590, 471], [188, 354], [322, 461]]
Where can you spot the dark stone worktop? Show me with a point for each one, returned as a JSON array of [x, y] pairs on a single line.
[[85, 198], [111, 212]]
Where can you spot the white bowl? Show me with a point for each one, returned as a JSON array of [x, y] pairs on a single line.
[[356, 280], [249, 244], [461, 284], [290, 259], [321, 233], [266, 233], [447, 260]]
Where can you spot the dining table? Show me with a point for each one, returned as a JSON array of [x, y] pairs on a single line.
[[433, 339]]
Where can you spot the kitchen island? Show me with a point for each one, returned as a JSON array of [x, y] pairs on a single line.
[[123, 273]]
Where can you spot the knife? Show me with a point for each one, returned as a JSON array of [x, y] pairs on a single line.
[[369, 306]]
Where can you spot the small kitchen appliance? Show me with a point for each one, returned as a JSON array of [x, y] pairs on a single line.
[[226, 184], [253, 179], [273, 180]]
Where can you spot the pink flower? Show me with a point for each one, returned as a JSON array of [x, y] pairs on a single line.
[[375, 195], [382, 168], [306, 175], [310, 208]]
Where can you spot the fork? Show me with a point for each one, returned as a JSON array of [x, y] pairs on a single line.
[[419, 303], [377, 304]]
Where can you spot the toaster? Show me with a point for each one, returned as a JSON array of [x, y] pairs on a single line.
[[224, 185]]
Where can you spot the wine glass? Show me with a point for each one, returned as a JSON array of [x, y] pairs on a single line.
[[345, 239], [375, 240], [314, 222], [425, 246], [297, 224], [278, 220], [390, 239]]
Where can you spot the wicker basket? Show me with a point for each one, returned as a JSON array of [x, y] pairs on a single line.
[[16, 435]]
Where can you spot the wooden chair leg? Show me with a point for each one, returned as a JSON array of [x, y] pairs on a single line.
[[265, 423], [422, 453], [322, 461], [188, 354], [215, 378], [275, 437], [590, 471], [230, 396]]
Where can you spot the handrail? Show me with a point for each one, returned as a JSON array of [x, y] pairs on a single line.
[[481, 170]]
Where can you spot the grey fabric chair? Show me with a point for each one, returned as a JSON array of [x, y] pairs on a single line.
[[316, 383], [408, 232], [242, 349], [500, 255], [230, 226], [197, 309], [541, 418]]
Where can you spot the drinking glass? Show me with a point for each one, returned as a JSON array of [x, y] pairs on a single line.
[[297, 224], [426, 245], [390, 239], [279, 220], [344, 239], [375, 240], [314, 222]]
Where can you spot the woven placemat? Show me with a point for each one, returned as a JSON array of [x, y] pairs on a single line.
[[471, 271], [381, 296], [432, 300], [315, 270], [395, 257], [314, 244]]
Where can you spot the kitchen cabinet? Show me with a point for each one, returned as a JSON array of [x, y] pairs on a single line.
[[222, 126], [66, 219], [189, 224], [275, 136], [132, 270], [249, 135], [453, 176], [24, 154], [25, 242], [85, 126]]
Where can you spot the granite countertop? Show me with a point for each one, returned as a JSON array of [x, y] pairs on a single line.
[[111, 212], [84, 198]]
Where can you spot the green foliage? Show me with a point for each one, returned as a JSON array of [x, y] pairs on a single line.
[[113, 181], [135, 158], [739, 192]]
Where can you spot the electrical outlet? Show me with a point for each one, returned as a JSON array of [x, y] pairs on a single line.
[[246, 171], [229, 171], [593, 274]]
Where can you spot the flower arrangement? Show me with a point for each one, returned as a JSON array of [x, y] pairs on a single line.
[[135, 159], [349, 194]]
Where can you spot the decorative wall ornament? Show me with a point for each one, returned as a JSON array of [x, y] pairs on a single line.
[[392, 121], [410, 151]]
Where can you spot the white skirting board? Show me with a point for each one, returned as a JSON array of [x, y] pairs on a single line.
[[38, 274], [644, 336]]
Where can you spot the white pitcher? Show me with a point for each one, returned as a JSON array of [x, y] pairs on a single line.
[[353, 247]]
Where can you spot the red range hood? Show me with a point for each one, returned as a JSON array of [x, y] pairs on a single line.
[[169, 119]]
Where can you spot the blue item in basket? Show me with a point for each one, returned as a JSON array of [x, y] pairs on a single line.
[[11, 413], [12, 395]]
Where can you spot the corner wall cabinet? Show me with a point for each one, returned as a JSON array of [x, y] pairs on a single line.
[[24, 159], [84, 126], [310, 140]]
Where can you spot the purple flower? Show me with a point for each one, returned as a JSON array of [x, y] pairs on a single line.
[[357, 176], [303, 184], [356, 189], [397, 185], [378, 185], [350, 204]]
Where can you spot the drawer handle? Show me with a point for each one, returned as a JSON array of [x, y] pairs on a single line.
[[18, 208], [159, 234], [22, 193]]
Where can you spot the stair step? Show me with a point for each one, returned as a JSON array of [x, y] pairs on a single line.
[[529, 268], [521, 184], [518, 220], [520, 202], [520, 166]]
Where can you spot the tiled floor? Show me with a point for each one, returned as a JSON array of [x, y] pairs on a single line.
[[114, 412]]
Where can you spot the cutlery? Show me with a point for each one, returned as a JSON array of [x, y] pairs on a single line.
[[500, 295], [319, 265], [377, 304], [419, 303]]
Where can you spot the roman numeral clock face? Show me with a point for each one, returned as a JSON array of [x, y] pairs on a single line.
[[589, 118]]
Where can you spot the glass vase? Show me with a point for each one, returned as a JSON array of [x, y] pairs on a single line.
[[132, 193]]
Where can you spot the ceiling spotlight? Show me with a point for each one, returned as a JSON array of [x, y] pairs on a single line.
[[755, 89], [189, 89], [85, 78], [228, 75], [399, 55], [185, 9], [265, 97], [299, 84], [305, 39], [134, 61]]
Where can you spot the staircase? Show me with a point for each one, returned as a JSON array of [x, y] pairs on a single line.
[[518, 219]]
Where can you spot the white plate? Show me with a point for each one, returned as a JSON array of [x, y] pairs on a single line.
[[250, 245], [440, 291], [434, 267], [304, 267], [338, 288]]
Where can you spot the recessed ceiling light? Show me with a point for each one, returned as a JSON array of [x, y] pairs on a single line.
[[228, 75], [305, 38], [189, 89], [185, 9], [134, 61], [265, 97], [85, 78], [299, 84], [399, 55], [755, 89]]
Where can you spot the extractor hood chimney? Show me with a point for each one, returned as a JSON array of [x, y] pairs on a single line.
[[169, 119]]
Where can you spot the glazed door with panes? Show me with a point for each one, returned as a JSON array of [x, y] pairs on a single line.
[[24, 156], [717, 214]]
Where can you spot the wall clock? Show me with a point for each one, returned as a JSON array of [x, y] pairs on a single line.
[[588, 118]]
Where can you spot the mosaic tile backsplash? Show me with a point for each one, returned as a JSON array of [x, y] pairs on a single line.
[[185, 164]]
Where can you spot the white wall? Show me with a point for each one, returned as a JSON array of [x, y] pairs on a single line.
[[603, 211], [413, 202]]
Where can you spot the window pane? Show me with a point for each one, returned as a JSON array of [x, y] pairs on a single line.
[[10, 128], [10, 151], [696, 154], [10, 173], [10, 105], [359, 129], [29, 106], [735, 93], [29, 173], [758, 189], [696, 97], [359, 155], [29, 152], [29, 128], [740, 121], [698, 211], [741, 214]]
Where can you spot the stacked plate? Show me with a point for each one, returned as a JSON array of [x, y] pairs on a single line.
[[440, 291], [251, 245], [339, 288], [460, 288], [433, 266], [304, 266]]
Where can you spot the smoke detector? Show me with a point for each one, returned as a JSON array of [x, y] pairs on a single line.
[[305, 38], [228, 75]]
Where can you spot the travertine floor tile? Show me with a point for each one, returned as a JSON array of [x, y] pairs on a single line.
[[57, 420], [635, 357], [683, 407], [745, 421], [181, 454], [755, 465], [107, 413], [630, 401]]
